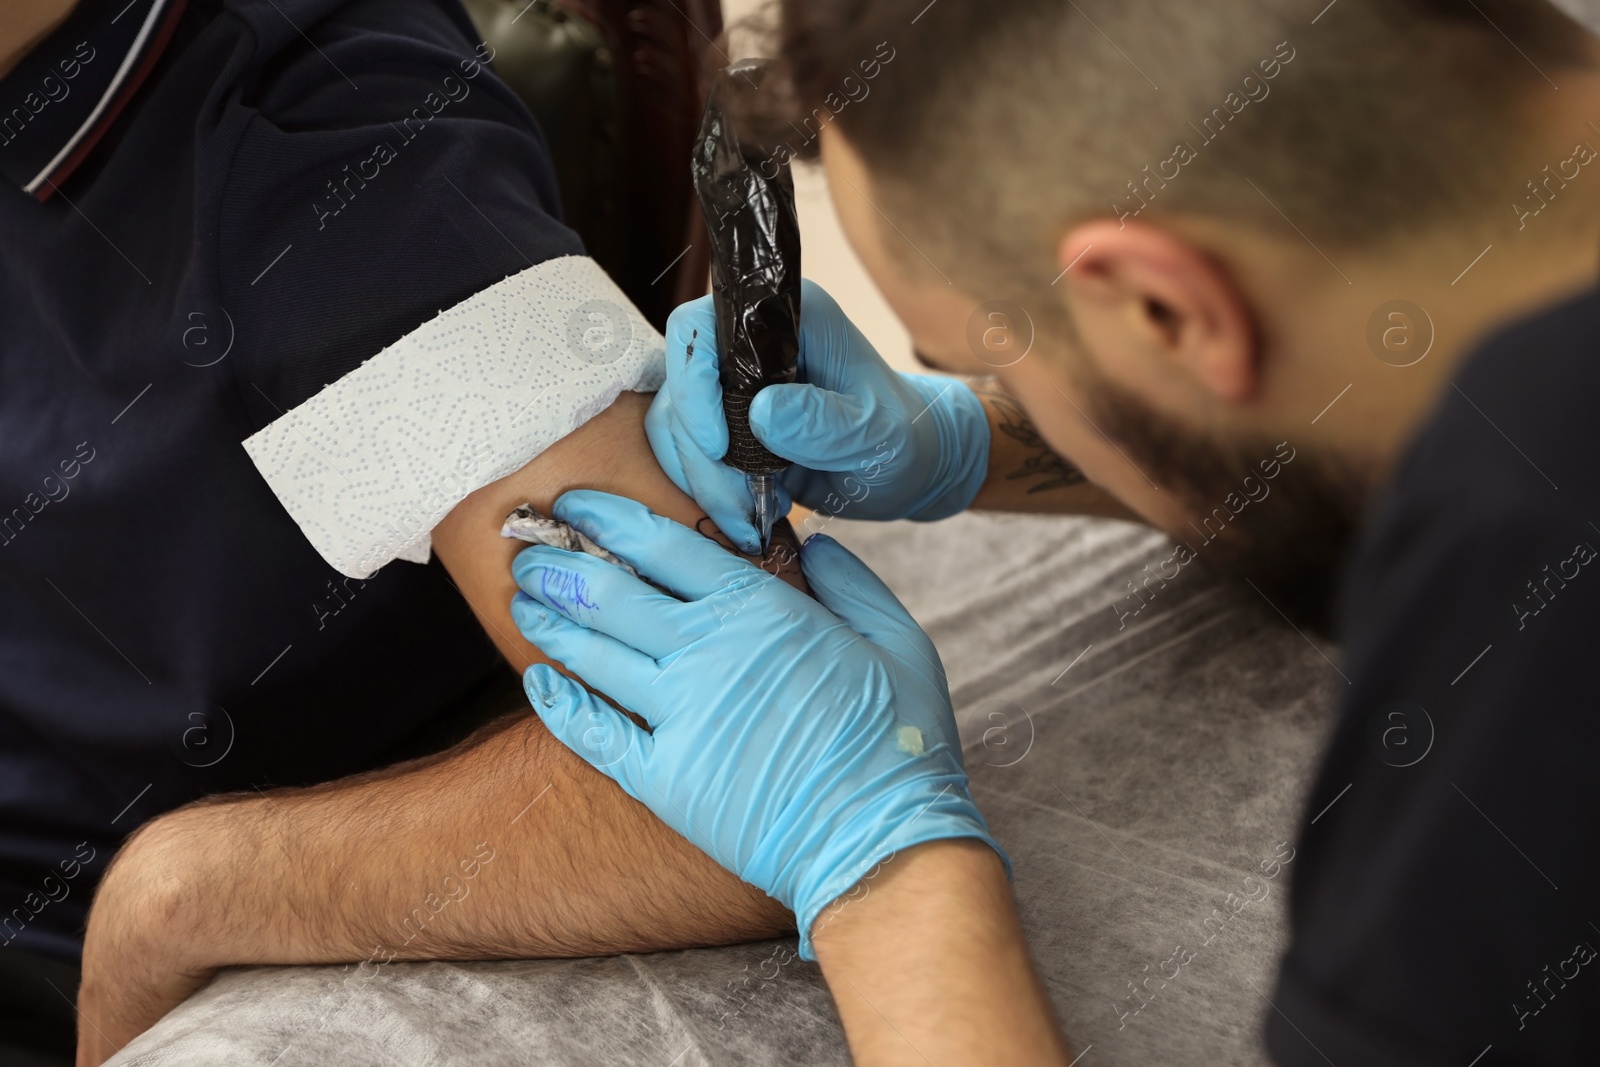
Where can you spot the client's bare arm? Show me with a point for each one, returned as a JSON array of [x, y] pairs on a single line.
[[611, 453], [506, 846]]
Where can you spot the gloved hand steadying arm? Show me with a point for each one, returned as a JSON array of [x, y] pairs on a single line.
[[799, 742], [897, 446]]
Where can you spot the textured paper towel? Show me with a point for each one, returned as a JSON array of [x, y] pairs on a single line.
[[373, 462]]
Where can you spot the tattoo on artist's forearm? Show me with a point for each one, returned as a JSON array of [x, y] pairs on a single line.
[[1041, 462]]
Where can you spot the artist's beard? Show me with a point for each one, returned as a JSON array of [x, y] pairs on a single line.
[[1291, 543]]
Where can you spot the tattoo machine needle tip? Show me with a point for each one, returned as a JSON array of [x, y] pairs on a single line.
[[764, 490]]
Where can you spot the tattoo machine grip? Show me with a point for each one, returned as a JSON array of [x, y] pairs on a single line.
[[747, 196]]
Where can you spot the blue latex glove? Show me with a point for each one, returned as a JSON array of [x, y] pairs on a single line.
[[866, 440], [799, 742]]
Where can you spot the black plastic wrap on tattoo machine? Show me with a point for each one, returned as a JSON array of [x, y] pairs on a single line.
[[747, 196]]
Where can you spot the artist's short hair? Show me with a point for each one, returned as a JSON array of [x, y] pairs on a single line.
[[991, 125]]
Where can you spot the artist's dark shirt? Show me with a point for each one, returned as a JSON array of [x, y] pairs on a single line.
[[197, 266], [1446, 903]]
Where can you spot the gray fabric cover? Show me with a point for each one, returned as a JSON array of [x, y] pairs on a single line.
[[1137, 769]]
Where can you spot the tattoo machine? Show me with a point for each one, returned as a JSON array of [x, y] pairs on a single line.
[[747, 196]]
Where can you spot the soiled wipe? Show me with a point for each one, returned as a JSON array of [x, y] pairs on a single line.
[[526, 524]]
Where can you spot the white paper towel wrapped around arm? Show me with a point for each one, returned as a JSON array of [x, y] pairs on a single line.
[[370, 465]]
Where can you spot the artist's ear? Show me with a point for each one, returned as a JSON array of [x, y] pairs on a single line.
[[1149, 300]]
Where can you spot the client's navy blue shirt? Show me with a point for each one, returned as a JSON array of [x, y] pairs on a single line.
[[1446, 900], [215, 211]]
